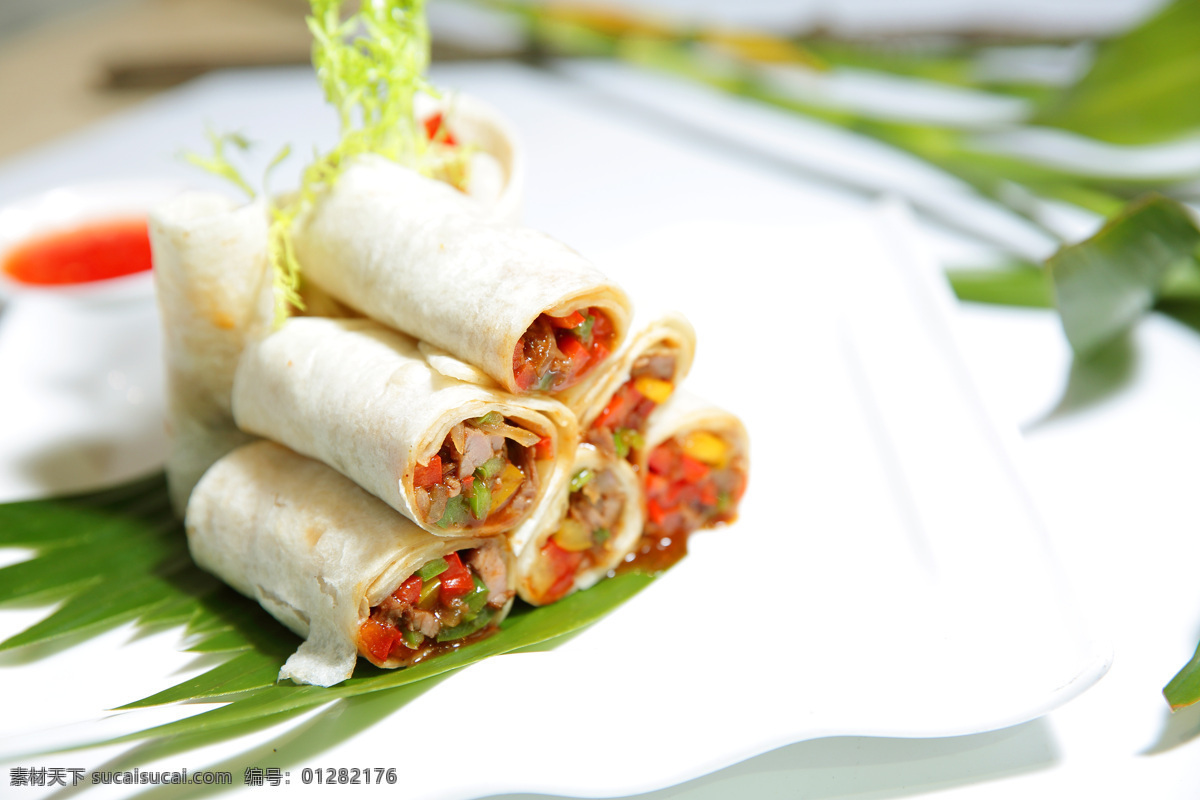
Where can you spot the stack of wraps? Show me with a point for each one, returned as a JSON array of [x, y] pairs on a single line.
[[469, 421]]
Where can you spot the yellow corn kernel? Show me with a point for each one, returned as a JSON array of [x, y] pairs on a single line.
[[573, 536], [705, 447], [653, 388], [508, 482]]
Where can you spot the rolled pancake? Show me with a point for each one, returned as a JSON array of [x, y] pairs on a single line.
[[529, 540], [315, 550], [362, 399], [613, 399], [496, 176], [214, 292], [420, 257], [694, 466]]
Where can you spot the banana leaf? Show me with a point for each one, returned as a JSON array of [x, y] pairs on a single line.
[[1184, 688], [1143, 85], [118, 555], [1103, 285]]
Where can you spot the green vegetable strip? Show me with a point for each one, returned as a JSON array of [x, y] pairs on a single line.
[[581, 479], [456, 512], [481, 499], [466, 628], [490, 468], [431, 569]]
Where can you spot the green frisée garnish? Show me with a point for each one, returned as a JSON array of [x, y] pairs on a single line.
[[371, 66]]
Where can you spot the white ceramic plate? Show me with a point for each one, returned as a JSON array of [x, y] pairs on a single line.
[[889, 575]]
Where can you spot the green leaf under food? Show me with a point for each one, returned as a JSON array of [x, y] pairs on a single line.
[[1017, 285], [1143, 85], [1104, 284], [1184, 688], [524, 627], [114, 556]]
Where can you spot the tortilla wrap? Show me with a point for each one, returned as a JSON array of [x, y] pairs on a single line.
[[527, 541], [360, 398], [419, 256], [214, 292], [315, 550], [670, 332]]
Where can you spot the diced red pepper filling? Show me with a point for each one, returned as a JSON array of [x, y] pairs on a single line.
[[448, 163], [619, 428], [583, 540], [558, 352], [437, 131], [692, 482], [485, 472], [457, 600]]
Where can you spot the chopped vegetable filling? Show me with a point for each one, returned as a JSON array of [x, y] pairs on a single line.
[[445, 601], [484, 472], [618, 429], [694, 481], [583, 540], [558, 352]]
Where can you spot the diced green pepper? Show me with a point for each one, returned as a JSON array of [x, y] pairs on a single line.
[[477, 599], [456, 512], [584, 329], [490, 468], [430, 594], [413, 639], [489, 419], [581, 479], [600, 535], [724, 501], [626, 439], [480, 499], [431, 569], [467, 628], [546, 381]]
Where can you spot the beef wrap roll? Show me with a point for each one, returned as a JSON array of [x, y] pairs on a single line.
[[419, 256], [640, 378], [454, 457], [694, 468], [214, 292], [339, 567], [591, 521]]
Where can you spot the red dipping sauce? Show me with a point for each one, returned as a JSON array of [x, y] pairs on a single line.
[[91, 252]]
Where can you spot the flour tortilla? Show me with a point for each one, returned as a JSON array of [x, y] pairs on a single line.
[[214, 292], [315, 550], [527, 541], [670, 331], [421, 257], [362, 399]]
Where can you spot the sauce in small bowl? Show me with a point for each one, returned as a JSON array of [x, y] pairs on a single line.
[[80, 339], [93, 251]]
